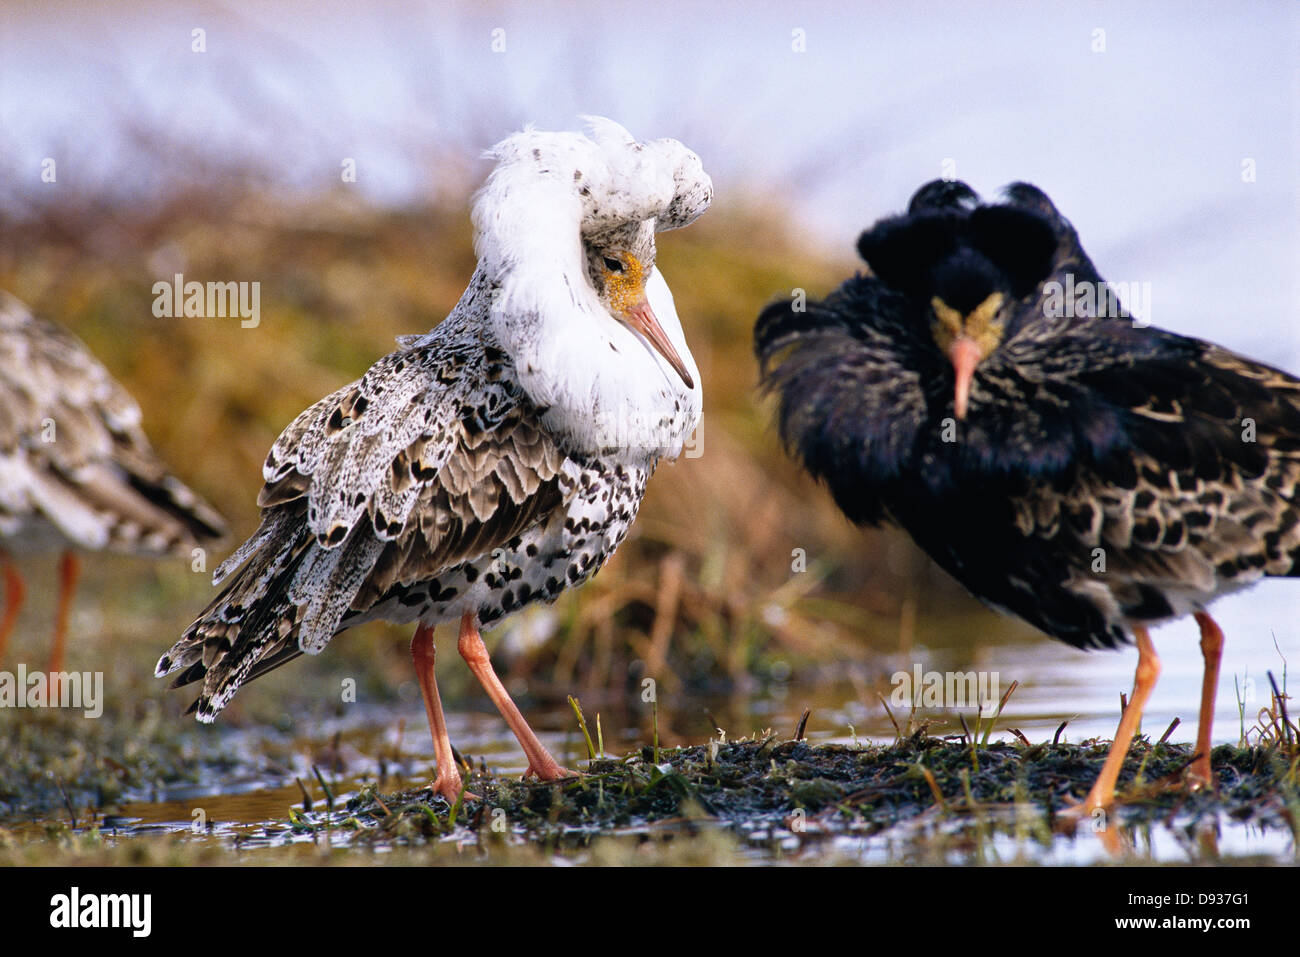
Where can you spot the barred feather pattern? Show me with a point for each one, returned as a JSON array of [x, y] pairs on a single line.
[[75, 466], [426, 489]]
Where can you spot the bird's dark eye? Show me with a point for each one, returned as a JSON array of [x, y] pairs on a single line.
[[613, 265]]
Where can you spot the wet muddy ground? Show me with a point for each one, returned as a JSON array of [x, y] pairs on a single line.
[[142, 789], [295, 770]]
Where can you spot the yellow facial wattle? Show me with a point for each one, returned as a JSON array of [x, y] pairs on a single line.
[[625, 288], [966, 342], [982, 325]]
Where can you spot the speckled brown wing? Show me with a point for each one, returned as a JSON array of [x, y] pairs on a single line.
[[435, 456], [1197, 497], [1227, 513], [74, 461], [493, 487]]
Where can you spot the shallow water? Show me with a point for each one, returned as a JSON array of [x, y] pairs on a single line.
[[390, 745], [245, 801]]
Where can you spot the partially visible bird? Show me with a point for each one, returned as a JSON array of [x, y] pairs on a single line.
[[1090, 474], [76, 471], [488, 464]]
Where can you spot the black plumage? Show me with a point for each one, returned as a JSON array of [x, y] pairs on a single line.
[[1091, 474]]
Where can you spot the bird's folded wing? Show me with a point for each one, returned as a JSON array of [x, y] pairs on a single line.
[[73, 453], [1199, 487], [432, 458], [849, 403]]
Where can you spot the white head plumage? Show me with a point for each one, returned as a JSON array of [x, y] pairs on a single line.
[[555, 207]]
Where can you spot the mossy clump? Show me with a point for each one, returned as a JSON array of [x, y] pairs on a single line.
[[830, 789]]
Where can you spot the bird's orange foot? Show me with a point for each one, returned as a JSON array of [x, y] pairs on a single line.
[[1093, 813], [1198, 775], [1077, 811], [450, 787], [550, 772], [1095, 808]]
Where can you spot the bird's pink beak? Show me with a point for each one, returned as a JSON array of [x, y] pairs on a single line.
[[965, 356], [642, 318]]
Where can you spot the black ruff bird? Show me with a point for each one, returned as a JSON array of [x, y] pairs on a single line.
[[1094, 476]]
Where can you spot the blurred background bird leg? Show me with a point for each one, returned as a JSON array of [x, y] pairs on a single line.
[[69, 572], [540, 762], [15, 592]]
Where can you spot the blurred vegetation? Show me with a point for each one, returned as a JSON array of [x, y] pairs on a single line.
[[702, 594]]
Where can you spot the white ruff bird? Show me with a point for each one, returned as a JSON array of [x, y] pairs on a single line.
[[492, 462], [76, 471]]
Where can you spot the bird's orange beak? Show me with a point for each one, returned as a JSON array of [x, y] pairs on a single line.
[[965, 356], [642, 318]]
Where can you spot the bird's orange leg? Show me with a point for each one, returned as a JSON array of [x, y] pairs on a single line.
[[1199, 774], [69, 571], [15, 592], [1148, 670], [540, 762], [448, 782]]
